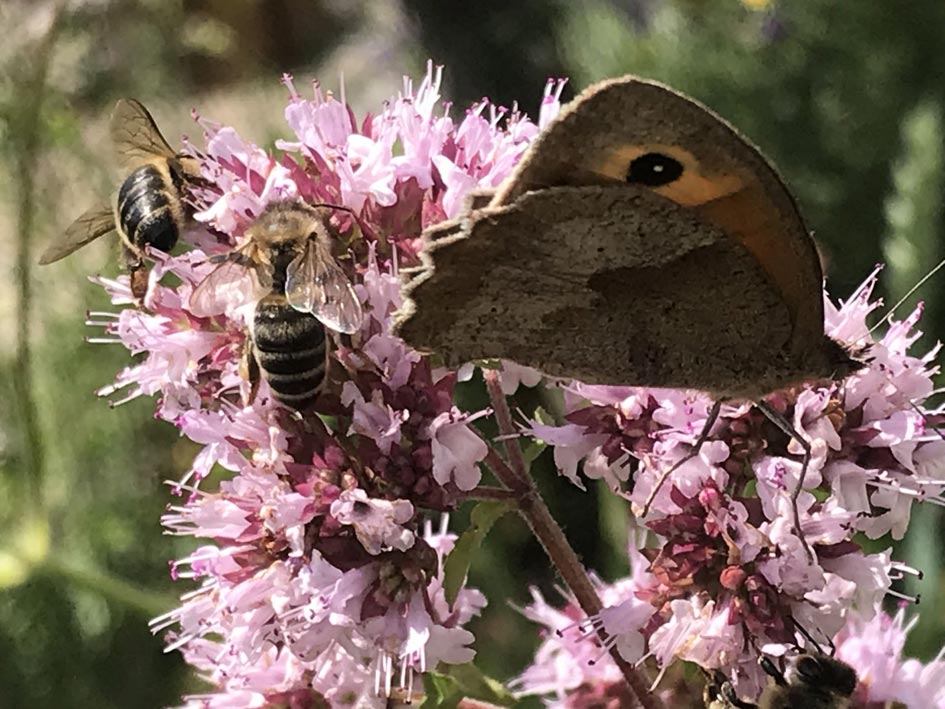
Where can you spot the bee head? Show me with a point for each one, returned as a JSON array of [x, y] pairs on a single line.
[[822, 671]]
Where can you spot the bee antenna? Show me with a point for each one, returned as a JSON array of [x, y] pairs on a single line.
[[329, 205], [810, 638], [807, 636]]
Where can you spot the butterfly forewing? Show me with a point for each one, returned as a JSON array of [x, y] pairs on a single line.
[[92, 224], [135, 134]]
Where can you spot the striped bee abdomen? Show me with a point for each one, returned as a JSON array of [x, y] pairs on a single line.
[[147, 209], [291, 350]]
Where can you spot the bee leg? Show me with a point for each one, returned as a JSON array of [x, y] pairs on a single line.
[[139, 281], [769, 667], [133, 258], [727, 692], [249, 369], [712, 689], [137, 270], [720, 694]]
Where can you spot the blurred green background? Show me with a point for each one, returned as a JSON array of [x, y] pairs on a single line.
[[847, 98]]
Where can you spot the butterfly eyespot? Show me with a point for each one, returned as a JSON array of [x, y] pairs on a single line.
[[654, 170]]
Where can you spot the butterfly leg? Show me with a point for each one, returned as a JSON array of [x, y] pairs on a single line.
[[785, 427], [697, 446]]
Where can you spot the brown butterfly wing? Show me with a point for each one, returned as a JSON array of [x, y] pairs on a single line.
[[726, 180], [606, 284]]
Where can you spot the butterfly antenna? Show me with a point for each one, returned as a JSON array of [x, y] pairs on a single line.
[[885, 319], [788, 429], [912, 405], [908, 295], [693, 452]]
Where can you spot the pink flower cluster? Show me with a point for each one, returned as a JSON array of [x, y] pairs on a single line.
[[727, 577], [573, 673], [317, 583]]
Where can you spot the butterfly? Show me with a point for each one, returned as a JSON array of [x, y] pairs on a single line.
[[640, 241]]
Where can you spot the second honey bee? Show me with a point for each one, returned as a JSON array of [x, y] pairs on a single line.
[[293, 275], [148, 209], [813, 681]]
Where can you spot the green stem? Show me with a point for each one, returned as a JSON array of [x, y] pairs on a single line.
[[31, 92], [111, 588]]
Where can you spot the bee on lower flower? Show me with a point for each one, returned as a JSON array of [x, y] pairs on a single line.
[[813, 681]]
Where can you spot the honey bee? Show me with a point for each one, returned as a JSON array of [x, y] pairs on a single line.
[[147, 210], [293, 276], [813, 681]]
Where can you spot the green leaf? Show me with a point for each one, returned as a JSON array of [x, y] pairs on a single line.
[[442, 691], [532, 448], [483, 516], [330, 422], [477, 685], [542, 416]]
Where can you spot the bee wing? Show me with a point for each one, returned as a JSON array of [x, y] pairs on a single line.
[[135, 134], [300, 288], [92, 224], [340, 308], [316, 284], [231, 284]]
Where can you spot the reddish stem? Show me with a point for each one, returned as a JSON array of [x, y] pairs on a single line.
[[515, 475], [485, 492]]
